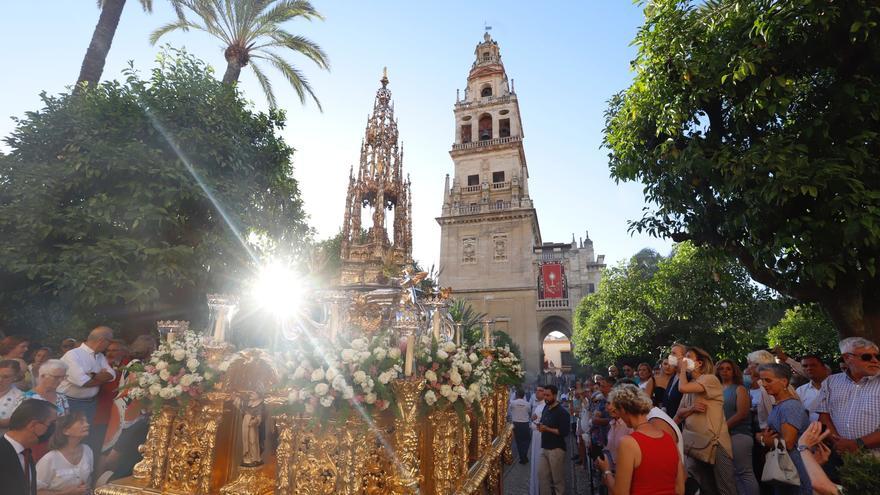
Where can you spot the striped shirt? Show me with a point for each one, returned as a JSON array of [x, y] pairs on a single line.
[[854, 407]]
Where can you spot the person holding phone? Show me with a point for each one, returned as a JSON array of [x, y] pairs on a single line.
[[554, 428], [647, 459]]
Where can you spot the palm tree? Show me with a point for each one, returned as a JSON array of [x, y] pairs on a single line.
[[248, 29], [102, 38]]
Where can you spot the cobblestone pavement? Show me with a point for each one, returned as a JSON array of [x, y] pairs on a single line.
[[516, 477]]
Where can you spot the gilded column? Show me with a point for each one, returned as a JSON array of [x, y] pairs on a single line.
[[445, 450], [406, 433], [284, 453]]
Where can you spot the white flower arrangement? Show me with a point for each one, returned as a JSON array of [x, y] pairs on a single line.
[[454, 376], [176, 371], [356, 374]]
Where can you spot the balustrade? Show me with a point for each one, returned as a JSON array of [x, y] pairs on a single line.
[[486, 142], [551, 304]]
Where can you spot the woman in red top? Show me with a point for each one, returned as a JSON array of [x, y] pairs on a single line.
[[647, 459]]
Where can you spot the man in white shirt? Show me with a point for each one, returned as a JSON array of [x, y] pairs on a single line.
[[817, 372], [87, 370], [537, 411], [519, 415]]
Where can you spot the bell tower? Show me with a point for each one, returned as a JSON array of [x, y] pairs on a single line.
[[488, 225]]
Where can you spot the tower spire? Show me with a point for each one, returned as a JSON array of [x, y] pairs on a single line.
[[381, 187]]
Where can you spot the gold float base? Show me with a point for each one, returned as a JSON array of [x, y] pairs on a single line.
[[250, 481]]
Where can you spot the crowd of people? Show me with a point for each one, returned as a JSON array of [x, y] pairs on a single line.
[[775, 425], [63, 428]]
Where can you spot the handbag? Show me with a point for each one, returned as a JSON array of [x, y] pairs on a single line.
[[779, 467], [698, 445]]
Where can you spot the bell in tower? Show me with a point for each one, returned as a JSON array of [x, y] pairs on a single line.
[[368, 253]]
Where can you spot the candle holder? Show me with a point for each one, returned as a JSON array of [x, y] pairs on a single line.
[[170, 329], [222, 307]]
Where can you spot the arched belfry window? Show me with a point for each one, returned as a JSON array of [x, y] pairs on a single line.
[[486, 91], [485, 129]]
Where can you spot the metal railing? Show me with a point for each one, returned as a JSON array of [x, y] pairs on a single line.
[[486, 142]]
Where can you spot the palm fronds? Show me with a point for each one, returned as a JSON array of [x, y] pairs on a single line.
[[250, 30]]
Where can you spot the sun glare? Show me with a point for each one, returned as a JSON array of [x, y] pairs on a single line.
[[279, 289]]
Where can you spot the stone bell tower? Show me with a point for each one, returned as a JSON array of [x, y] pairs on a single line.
[[488, 226], [369, 254]]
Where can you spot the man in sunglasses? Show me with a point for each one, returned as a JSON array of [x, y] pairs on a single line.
[[849, 402]]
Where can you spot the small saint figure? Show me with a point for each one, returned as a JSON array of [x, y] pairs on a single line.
[[251, 406]]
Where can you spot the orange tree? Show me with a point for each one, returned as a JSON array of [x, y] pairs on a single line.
[[753, 125]]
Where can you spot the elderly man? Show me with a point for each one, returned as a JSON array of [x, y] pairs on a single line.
[[849, 403], [87, 370]]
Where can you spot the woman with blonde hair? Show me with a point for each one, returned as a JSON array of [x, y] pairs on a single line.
[[707, 443], [647, 459], [737, 411]]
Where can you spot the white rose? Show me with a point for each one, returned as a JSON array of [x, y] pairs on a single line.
[[359, 344], [161, 365], [430, 397], [467, 368], [431, 376], [331, 374], [192, 364], [445, 390], [452, 397], [327, 401], [394, 353], [385, 377], [299, 373], [472, 396], [449, 346], [348, 393], [164, 375], [473, 357], [363, 356], [455, 378], [348, 355], [339, 383], [155, 389], [167, 393], [317, 375], [380, 353], [293, 396], [186, 380], [179, 355], [359, 376], [370, 398], [442, 355], [321, 389]]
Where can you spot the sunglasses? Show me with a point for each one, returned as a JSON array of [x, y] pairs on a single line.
[[867, 357]]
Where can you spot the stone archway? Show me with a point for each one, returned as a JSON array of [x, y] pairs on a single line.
[[555, 325]]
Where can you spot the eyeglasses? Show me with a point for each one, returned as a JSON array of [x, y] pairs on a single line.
[[866, 357]]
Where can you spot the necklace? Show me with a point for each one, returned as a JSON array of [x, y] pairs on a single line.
[[636, 427]]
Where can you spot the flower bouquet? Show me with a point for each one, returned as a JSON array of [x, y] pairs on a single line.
[[322, 381], [505, 367], [176, 372], [454, 376]]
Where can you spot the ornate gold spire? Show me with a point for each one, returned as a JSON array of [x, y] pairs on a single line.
[[369, 255]]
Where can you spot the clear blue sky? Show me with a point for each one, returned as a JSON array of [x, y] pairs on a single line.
[[567, 59]]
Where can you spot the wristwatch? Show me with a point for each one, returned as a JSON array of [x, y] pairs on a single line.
[[860, 443], [606, 473], [802, 447]]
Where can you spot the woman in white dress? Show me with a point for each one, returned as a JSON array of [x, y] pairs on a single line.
[[535, 447], [67, 468]]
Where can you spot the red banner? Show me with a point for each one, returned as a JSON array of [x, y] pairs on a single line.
[[551, 276]]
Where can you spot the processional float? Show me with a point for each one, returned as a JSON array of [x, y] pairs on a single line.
[[376, 392]]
